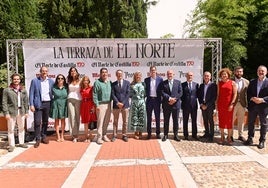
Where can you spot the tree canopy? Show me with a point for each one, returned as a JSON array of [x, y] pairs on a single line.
[[242, 25]]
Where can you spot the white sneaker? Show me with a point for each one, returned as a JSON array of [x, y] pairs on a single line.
[[106, 139], [99, 141]]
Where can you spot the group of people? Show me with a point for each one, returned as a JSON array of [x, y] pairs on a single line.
[[81, 102]]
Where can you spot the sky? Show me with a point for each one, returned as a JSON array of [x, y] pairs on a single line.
[[168, 16]]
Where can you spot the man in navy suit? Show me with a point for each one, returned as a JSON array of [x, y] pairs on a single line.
[[207, 94], [171, 91], [189, 105], [257, 96], [120, 96], [153, 101], [40, 97]]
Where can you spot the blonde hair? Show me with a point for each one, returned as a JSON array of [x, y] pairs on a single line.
[[82, 86], [135, 77]]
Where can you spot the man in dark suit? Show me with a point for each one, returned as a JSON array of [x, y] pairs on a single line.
[[257, 96], [171, 91], [207, 94], [120, 96], [153, 101], [189, 105]]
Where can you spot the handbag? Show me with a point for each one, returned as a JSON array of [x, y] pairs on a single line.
[[92, 125]]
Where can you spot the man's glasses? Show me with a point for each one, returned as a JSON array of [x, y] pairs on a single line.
[[60, 78]]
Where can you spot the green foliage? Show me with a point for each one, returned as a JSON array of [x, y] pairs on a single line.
[[242, 25], [3, 75]]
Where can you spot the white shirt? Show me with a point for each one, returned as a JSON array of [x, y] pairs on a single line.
[[74, 92], [153, 87], [239, 84], [45, 90]]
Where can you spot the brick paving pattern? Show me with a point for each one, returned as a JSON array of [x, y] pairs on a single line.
[[137, 163]]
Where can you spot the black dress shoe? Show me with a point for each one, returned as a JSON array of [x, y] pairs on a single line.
[[114, 138], [164, 138], [186, 138], [149, 136], [205, 136], [37, 143], [125, 138], [210, 139], [177, 138], [241, 138], [158, 136], [261, 145], [248, 142], [195, 137]]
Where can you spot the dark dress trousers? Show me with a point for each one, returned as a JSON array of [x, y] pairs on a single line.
[[153, 104], [189, 106], [255, 110], [168, 109], [209, 101]]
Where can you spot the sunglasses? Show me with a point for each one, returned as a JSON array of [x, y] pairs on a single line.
[[60, 78]]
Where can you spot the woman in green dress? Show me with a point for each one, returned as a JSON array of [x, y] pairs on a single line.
[[59, 105], [137, 112]]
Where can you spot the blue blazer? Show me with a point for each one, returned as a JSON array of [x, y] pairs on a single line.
[[121, 95], [252, 92], [147, 82], [189, 98], [211, 95], [176, 92], [35, 97]]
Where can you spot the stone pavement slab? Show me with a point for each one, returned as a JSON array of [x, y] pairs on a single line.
[[137, 163]]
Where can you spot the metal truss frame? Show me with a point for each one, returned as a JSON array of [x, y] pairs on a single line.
[[13, 45]]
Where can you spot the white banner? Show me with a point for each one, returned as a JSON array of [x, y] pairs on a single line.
[[130, 55]]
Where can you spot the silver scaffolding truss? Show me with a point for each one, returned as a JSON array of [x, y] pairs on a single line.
[[14, 45]]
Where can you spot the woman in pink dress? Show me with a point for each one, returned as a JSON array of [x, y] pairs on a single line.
[[87, 107], [225, 103]]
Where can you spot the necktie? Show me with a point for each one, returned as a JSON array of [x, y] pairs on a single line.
[[190, 86], [120, 85], [170, 85]]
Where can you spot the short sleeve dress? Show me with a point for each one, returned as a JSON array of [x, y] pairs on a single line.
[[59, 103]]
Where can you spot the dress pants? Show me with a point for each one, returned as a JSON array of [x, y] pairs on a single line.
[[116, 112], [103, 116], [11, 123], [41, 120]]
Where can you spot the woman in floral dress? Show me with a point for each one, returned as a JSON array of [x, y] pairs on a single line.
[[137, 113]]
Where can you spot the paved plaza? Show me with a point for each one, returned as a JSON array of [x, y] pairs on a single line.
[[137, 163]]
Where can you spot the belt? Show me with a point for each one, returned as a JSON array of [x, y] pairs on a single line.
[[19, 107], [45, 101], [87, 99], [153, 97]]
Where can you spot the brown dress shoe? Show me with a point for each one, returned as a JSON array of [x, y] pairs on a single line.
[[37, 143], [45, 141]]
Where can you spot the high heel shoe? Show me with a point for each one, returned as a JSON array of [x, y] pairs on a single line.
[[222, 140], [229, 141], [136, 135]]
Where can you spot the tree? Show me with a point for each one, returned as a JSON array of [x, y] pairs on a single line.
[[238, 23], [18, 20]]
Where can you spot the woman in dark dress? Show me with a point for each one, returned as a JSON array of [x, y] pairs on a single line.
[[59, 105]]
